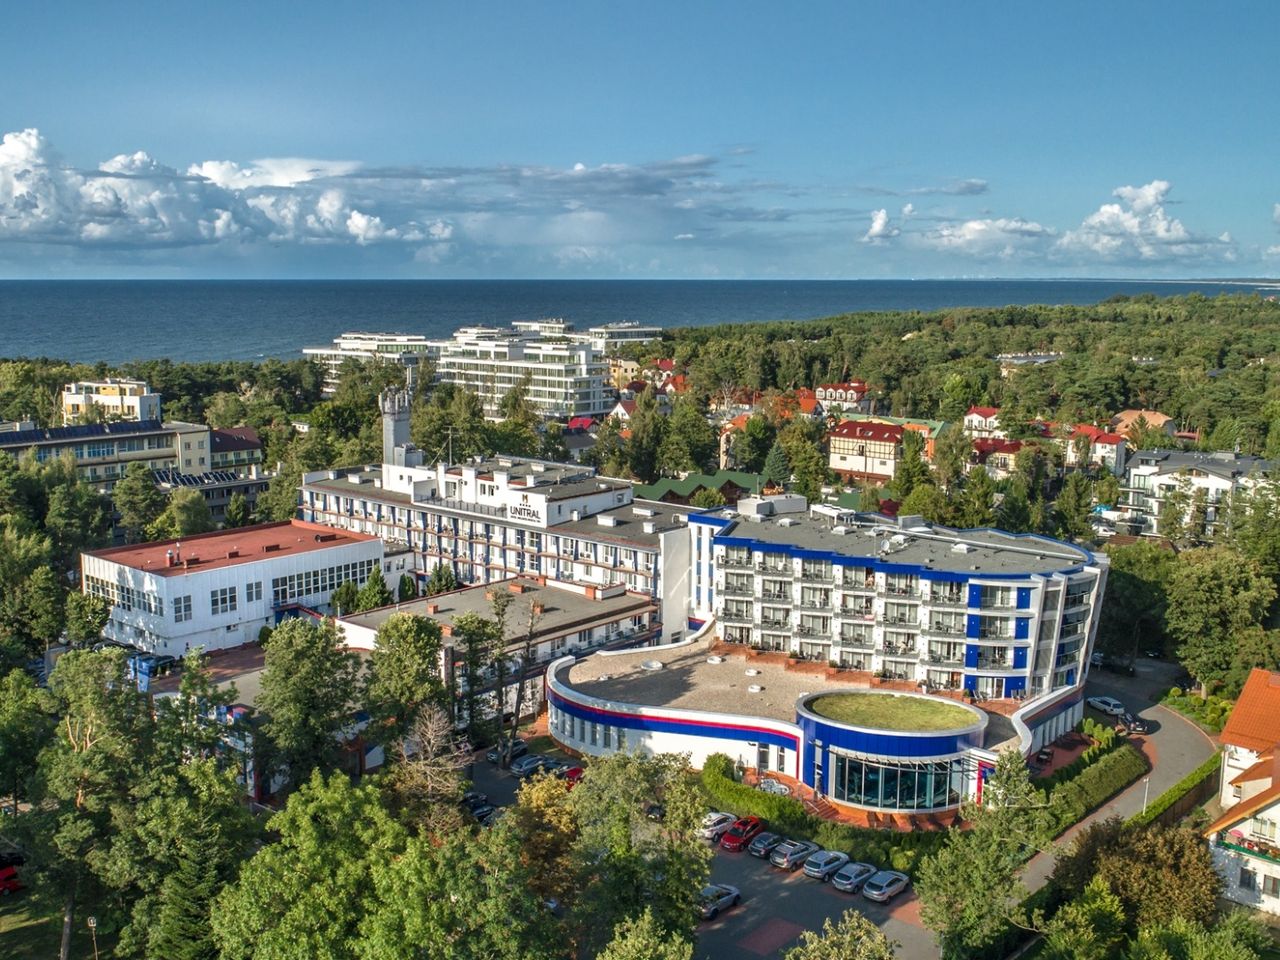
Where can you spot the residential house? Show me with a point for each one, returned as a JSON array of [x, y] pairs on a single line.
[[116, 399], [982, 423], [929, 430], [1244, 840], [1153, 476], [731, 484], [1126, 421], [1101, 448], [849, 396], [996, 455], [865, 450]]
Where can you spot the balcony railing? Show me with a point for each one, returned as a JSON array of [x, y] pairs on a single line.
[[780, 572], [814, 632], [1251, 846], [859, 643], [814, 603], [950, 629], [858, 613], [736, 590], [994, 664], [776, 597], [738, 618], [817, 576], [949, 600], [899, 590], [903, 620], [729, 561], [775, 624], [891, 650], [947, 659]]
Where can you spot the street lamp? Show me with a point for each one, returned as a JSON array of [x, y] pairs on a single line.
[[93, 933], [1146, 786]]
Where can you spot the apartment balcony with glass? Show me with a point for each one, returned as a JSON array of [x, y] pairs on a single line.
[[736, 612], [858, 610], [816, 572], [857, 578], [811, 599], [995, 628], [995, 658], [735, 558], [899, 643], [814, 627], [898, 669], [998, 598], [851, 659], [775, 565], [779, 590], [737, 634], [739, 586], [948, 595], [946, 653], [896, 585], [777, 618], [902, 613], [947, 624]]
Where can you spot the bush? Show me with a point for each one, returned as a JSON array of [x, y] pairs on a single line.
[[1209, 712], [1071, 800], [264, 635], [1179, 790]]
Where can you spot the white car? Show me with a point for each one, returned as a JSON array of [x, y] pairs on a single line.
[[776, 787], [1108, 705], [885, 885], [714, 825], [824, 863]]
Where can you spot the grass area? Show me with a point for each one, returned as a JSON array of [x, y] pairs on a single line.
[[887, 711], [28, 936]]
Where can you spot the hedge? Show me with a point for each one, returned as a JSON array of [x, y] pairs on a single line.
[[1179, 790], [1105, 741], [1209, 712], [1071, 800], [787, 815]]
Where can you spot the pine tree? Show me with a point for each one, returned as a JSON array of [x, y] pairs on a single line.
[[442, 580], [407, 589], [777, 468], [345, 598], [181, 930], [238, 514], [374, 593], [1014, 512], [138, 501], [977, 506]]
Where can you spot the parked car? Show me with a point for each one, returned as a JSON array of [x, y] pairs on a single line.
[[852, 876], [742, 833], [1097, 660], [532, 763], [655, 811], [1134, 724], [113, 644], [12, 858], [518, 749], [885, 885], [1153, 654], [1108, 705], [776, 787], [824, 863], [764, 844], [714, 825], [481, 811], [793, 853], [571, 776], [473, 800], [493, 816], [716, 897], [10, 882]]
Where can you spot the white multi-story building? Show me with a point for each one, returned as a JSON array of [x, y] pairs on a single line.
[[489, 519], [118, 399], [609, 338], [405, 349], [998, 614], [217, 590], [1153, 476], [567, 376]]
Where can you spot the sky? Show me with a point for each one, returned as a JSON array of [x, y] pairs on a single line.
[[655, 140]]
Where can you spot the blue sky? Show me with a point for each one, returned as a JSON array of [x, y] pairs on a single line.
[[709, 139]]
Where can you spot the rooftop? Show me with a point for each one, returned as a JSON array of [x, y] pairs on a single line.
[[227, 439], [1221, 463], [687, 681], [1255, 720], [227, 548], [893, 711], [912, 542], [86, 431], [564, 610]]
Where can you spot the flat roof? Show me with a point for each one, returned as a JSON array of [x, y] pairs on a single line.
[[227, 548], [688, 682], [563, 610], [932, 547]]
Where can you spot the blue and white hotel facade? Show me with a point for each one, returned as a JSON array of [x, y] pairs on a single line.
[[1011, 619]]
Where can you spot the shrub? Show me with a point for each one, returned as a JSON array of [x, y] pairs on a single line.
[[1096, 784], [1179, 790], [264, 635], [1209, 712]]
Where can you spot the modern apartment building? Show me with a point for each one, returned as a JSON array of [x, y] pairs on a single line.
[[490, 519], [997, 614], [110, 399], [1153, 476], [568, 375], [405, 349]]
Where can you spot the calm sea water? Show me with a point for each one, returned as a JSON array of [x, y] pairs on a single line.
[[211, 320]]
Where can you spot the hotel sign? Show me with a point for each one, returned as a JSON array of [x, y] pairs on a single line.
[[524, 513]]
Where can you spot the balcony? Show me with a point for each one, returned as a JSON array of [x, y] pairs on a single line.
[[731, 562], [783, 573], [1249, 846], [776, 597], [948, 600], [736, 590], [858, 613], [856, 643], [775, 625], [741, 619], [988, 664], [814, 631], [902, 620], [893, 650], [946, 659], [900, 590], [814, 603], [1075, 600], [818, 576], [947, 629]]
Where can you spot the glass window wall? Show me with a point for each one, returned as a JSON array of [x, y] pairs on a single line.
[[896, 785]]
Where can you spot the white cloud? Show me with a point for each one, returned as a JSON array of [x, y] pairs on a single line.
[[1140, 229], [269, 172], [683, 236], [1275, 213], [1001, 237], [908, 210], [881, 230]]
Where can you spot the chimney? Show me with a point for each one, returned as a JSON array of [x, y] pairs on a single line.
[[516, 587], [232, 554], [433, 609]]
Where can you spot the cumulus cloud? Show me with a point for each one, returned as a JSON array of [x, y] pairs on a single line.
[[269, 172], [1139, 229], [968, 187], [881, 229], [1003, 237]]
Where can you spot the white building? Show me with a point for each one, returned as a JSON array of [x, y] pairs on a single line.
[[118, 399], [1153, 476], [218, 590], [1246, 838], [983, 423], [609, 338], [403, 348], [568, 376], [490, 519]]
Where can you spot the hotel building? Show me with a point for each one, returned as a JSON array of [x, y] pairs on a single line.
[[118, 400]]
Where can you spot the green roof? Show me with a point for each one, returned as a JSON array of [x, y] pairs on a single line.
[[699, 481], [935, 426]]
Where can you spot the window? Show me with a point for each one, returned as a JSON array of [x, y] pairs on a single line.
[[222, 600], [1271, 886], [253, 592], [622, 738], [182, 609], [1248, 879], [608, 739], [594, 727]]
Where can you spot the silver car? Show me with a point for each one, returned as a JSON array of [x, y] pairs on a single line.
[[852, 876], [714, 825], [716, 897], [885, 885], [791, 854], [764, 845], [824, 863]]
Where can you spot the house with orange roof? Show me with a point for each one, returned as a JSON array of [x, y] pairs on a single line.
[[1127, 421], [1085, 445], [1245, 840]]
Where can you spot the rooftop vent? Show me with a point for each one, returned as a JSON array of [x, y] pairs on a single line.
[[650, 527], [960, 548], [840, 531], [607, 520], [642, 511], [755, 688], [787, 522]]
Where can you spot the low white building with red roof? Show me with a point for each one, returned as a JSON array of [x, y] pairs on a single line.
[[1246, 838], [983, 423], [851, 395], [218, 590], [866, 450]]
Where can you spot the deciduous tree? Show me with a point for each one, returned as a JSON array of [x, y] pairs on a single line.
[[853, 937]]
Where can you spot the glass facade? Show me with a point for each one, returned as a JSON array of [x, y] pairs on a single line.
[[896, 785]]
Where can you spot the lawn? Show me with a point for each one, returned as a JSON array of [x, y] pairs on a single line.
[[887, 711], [25, 936]]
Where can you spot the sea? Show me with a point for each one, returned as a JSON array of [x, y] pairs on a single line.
[[196, 320]]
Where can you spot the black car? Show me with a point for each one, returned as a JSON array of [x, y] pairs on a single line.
[[472, 801], [483, 811], [1134, 724], [518, 749], [655, 811], [11, 858]]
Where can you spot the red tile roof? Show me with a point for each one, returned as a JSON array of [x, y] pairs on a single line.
[[226, 548], [1255, 720], [864, 430], [1244, 809], [986, 447], [984, 412], [581, 423], [1262, 770], [851, 386]]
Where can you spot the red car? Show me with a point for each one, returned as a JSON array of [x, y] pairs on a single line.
[[742, 832], [9, 882], [571, 777]]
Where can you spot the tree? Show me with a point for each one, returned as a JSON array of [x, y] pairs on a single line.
[[308, 694], [647, 429], [751, 446], [548, 830], [690, 443], [137, 501], [374, 593], [1237, 937], [854, 937], [290, 901], [423, 787], [1090, 927], [407, 588], [951, 452], [1014, 512], [809, 471], [26, 725], [40, 600], [1214, 594], [238, 512], [345, 598], [708, 498], [186, 514], [777, 469], [86, 615], [474, 637], [1073, 507], [610, 453], [182, 928], [977, 507], [78, 518], [553, 446], [911, 470], [1172, 519], [404, 674], [1133, 608], [641, 938], [926, 501], [970, 887], [442, 580]]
